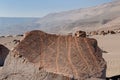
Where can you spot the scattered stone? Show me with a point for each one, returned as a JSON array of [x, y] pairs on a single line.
[[9, 36], [103, 33], [21, 35], [2, 36], [112, 32], [16, 41]]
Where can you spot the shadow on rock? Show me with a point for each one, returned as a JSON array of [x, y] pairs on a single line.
[[3, 54]]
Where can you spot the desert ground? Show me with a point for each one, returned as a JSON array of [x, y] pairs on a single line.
[[9, 41], [110, 44]]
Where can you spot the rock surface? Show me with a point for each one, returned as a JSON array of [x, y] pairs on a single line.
[[3, 54], [42, 56]]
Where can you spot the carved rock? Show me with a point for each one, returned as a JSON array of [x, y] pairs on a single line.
[[42, 56]]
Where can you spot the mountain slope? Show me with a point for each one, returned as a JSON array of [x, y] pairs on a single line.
[[94, 17]]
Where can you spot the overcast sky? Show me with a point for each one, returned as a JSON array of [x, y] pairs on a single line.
[[39, 8]]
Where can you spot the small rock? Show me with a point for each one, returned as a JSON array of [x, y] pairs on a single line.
[[80, 34]]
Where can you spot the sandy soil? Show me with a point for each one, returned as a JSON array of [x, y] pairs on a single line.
[[110, 44], [9, 41]]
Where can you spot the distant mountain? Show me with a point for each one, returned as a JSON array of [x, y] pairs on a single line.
[[86, 19], [16, 25], [98, 17]]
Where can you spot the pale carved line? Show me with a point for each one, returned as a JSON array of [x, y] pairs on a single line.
[[47, 48], [57, 55], [81, 53], [69, 57], [91, 53]]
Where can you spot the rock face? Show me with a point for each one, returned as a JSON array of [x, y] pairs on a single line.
[[3, 54], [42, 56]]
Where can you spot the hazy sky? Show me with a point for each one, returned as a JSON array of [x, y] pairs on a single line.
[[39, 8]]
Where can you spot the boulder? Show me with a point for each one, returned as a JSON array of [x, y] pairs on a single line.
[[112, 32], [42, 56], [80, 34], [3, 54], [15, 41], [103, 33]]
